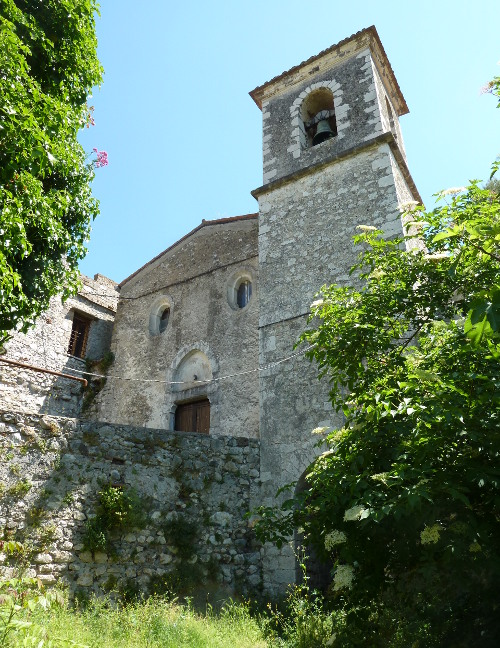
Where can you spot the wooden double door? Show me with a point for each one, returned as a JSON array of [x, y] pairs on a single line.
[[193, 417]]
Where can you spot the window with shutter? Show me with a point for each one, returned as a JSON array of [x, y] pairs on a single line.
[[79, 335]]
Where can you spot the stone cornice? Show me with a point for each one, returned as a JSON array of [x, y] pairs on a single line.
[[384, 138]]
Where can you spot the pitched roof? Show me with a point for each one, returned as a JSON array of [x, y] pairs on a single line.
[[204, 223], [371, 31]]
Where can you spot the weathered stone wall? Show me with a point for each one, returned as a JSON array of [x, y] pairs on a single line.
[[194, 278], [382, 100], [200, 486], [46, 345], [305, 235], [357, 114], [309, 207]]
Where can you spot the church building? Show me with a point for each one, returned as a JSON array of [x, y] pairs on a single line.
[[203, 337], [211, 322]]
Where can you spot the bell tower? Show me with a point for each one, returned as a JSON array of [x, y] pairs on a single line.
[[333, 158]]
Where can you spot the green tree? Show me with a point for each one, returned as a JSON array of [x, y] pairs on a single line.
[[405, 499], [48, 66]]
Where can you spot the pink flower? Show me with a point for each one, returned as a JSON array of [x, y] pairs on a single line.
[[487, 88], [102, 158]]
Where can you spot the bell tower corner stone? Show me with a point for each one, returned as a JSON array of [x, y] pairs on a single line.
[[333, 158]]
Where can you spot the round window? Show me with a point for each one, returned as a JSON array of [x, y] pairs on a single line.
[[160, 314], [239, 288], [165, 314], [243, 293]]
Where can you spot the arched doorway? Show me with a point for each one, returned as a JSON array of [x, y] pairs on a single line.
[[192, 381], [193, 416], [318, 570]]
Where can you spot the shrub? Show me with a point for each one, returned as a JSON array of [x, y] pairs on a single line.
[[116, 509]]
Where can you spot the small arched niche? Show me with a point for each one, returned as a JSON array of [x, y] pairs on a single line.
[[194, 370], [318, 117], [160, 315]]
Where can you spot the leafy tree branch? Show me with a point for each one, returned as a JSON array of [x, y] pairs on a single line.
[[48, 66]]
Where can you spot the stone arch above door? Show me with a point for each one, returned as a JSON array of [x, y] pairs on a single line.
[[193, 371], [191, 377]]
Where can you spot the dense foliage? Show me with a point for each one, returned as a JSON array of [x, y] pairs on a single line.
[[405, 500], [48, 65]]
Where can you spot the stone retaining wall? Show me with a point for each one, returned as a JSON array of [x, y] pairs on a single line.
[[193, 491]]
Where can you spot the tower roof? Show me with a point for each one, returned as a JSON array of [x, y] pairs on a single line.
[[330, 57]]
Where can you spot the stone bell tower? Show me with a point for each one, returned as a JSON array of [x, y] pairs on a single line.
[[333, 158]]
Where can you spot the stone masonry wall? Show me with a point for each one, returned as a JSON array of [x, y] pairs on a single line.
[[357, 114], [46, 345], [193, 492], [194, 278], [305, 241]]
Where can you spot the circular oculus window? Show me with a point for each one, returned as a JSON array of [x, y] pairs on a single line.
[[243, 293], [239, 289]]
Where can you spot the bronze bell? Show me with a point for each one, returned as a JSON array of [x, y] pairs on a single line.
[[323, 132]]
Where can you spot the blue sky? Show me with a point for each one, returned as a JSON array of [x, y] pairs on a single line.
[[184, 138]]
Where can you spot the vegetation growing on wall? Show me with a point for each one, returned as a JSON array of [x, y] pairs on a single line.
[[95, 384], [117, 510]]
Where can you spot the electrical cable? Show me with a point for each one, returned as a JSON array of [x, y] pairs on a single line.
[[175, 283], [200, 382]]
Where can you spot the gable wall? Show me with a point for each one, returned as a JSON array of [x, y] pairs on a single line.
[[194, 277]]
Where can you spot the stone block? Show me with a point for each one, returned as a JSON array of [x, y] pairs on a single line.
[[85, 580], [62, 556], [221, 518]]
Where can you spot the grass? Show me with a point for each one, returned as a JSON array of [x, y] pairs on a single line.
[[152, 623]]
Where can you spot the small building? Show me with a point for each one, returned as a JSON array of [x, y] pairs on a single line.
[[66, 334]]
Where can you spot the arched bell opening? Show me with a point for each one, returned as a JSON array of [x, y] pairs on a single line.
[[318, 568], [318, 116]]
